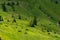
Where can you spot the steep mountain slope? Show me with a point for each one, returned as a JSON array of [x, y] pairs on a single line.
[[29, 20]]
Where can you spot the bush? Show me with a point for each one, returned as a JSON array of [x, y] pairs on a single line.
[[13, 3], [56, 36], [0, 38], [33, 22], [54, 32], [6, 25], [8, 4], [58, 24], [14, 20], [12, 16], [27, 29], [55, 1], [40, 8], [19, 30], [19, 17], [1, 19], [16, 27], [25, 33], [7, 20], [47, 30], [17, 3], [48, 33]]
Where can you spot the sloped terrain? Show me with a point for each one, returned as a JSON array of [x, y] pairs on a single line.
[[29, 20]]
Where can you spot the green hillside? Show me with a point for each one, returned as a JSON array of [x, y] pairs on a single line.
[[29, 19]]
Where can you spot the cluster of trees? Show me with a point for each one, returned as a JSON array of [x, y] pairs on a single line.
[[4, 7]]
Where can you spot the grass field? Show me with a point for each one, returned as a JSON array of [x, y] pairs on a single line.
[[17, 16]]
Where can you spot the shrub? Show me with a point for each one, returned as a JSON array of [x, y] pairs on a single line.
[[19, 17], [7, 20], [49, 24], [55, 1], [56, 36], [14, 20], [48, 33], [1, 19], [12, 16], [8, 4], [54, 32], [33, 22], [17, 3], [0, 38], [40, 8], [13, 3], [6, 25], [19, 30], [43, 30], [47, 30], [58, 23], [27, 29], [16, 27], [25, 33]]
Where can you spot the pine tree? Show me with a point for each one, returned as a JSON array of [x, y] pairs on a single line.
[[4, 7], [12, 5]]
